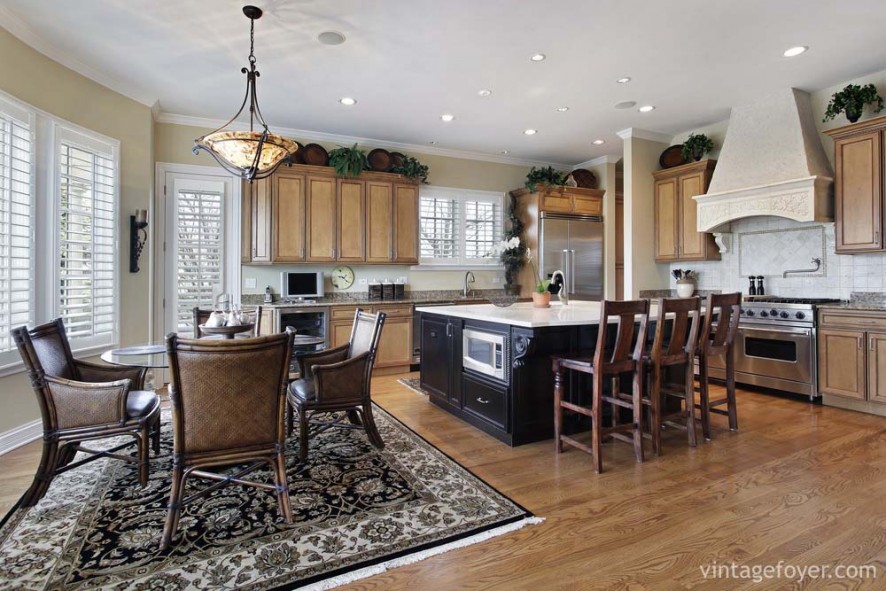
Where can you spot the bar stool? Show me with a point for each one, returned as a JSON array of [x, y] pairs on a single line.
[[671, 349], [625, 356], [725, 310]]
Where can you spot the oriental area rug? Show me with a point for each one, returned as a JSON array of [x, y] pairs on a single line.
[[358, 511]]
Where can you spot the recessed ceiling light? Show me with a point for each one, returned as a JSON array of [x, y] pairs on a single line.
[[505, 151], [530, 132], [646, 108], [538, 57], [599, 142], [562, 109], [432, 142], [795, 51], [447, 117], [624, 80], [625, 104], [331, 38], [347, 101], [484, 92]]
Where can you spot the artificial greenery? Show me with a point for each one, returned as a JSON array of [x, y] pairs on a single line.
[[696, 146], [544, 176], [348, 162], [541, 285], [852, 99], [514, 258], [413, 169]]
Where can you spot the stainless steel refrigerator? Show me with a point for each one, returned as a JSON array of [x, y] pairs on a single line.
[[573, 244]]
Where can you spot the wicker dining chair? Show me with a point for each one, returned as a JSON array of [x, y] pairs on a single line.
[[338, 380], [228, 409], [253, 316], [82, 401]]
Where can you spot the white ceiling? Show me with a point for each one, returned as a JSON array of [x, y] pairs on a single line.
[[408, 61]]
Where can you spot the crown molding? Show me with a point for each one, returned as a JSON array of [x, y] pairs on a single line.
[[28, 36], [320, 136], [644, 134], [604, 159]]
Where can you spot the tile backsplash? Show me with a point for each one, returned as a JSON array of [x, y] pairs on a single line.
[[768, 246]]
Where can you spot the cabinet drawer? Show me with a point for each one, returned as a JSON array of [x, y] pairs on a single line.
[[394, 310], [852, 318], [587, 205], [485, 400], [342, 312]]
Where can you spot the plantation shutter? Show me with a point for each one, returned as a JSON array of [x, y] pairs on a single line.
[[87, 254], [438, 222], [16, 223], [459, 226], [199, 253]]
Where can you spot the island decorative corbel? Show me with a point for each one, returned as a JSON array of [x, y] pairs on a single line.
[[723, 241]]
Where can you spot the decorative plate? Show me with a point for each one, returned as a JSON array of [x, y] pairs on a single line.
[[671, 157], [380, 160], [316, 155], [585, 178]]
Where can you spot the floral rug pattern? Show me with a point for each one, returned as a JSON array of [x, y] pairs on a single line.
[[353, 506]]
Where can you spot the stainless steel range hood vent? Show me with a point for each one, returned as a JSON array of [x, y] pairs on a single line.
[[771, 163]]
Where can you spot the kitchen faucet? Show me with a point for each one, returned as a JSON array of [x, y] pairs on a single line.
[[469, 278], [563, 294]]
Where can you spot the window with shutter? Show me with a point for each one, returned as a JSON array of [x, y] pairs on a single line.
[[16, 225], [199, 253], [459, 226], [86, 229]]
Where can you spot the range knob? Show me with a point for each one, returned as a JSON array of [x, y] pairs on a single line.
[[749, 313], [800, 315], [773, 312], [764, 314], [784, 314]]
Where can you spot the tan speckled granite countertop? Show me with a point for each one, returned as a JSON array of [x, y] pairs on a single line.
[[361, 298]]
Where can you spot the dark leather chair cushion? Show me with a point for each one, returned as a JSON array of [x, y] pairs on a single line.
[[303, 389], [141, 403]]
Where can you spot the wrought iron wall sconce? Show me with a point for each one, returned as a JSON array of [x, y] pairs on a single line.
[[137, 237]]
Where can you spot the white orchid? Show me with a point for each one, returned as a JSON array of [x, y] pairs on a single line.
[[505, 245]]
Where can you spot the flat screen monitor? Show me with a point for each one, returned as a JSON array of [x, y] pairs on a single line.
[[295, 285]]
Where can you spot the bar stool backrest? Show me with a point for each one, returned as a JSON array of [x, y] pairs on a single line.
[[725, 310], [628, 348], [685, 321]]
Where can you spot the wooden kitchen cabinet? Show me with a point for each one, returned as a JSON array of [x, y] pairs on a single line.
[[288, 217], [405, 223], [351, 220], [322, 220], [341, 321], [255, 229], [860, 170], [676, 236], [570, 200], [852, 359], [379, 226], [395, 345]]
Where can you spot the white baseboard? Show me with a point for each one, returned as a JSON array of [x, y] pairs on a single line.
[[9, 440]]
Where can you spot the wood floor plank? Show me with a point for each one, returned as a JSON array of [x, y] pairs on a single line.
[[798, 483]]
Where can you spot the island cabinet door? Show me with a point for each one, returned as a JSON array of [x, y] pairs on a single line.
[[841, 362], [877, 367], [436, 356]]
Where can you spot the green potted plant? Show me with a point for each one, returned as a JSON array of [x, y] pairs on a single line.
[[413, 169], [544, 176], [541, 297], [348, 162], [852, 99], [696, 146]]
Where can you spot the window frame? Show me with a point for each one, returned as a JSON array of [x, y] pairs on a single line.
[[47, 132], [461, 196]]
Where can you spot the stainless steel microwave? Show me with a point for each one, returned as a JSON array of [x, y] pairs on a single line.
[[485, 352]]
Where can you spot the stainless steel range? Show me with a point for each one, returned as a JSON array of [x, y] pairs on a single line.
[[776, 345]]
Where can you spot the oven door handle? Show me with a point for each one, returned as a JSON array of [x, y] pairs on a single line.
[[799, 332]]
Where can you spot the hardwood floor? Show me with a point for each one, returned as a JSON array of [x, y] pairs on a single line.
[[799, 483]]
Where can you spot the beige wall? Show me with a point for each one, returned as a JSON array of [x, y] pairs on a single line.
[[173, 144], [35, 79]]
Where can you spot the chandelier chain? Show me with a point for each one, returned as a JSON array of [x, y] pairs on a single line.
[[252, 42]]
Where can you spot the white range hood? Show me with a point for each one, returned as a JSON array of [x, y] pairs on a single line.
[[771, 163]]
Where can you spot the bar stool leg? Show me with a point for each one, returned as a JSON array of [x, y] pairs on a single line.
[[689, 400], [730, 389], [704, 397], [558, 410], [637, 400], [655, 410], [597, 423]]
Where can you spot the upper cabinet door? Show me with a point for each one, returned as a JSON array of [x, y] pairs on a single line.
[[379, 222], [666, 220], [351, 221], [406, 224], [692, 242], [289, 217], [859, 192], [321, 230], [261, 220]]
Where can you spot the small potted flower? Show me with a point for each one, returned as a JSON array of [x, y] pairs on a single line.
[[685, 282], [541, 297], [852, 100]]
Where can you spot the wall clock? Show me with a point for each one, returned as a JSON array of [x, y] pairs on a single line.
[[342, 277]]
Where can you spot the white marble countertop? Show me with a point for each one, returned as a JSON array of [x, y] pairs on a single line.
[[524, 314]]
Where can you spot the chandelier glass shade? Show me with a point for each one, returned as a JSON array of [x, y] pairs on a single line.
[[248, 154]]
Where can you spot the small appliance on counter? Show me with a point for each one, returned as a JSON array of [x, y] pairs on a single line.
[[375, 290], [399, 291], [387, 290], [269, 297]]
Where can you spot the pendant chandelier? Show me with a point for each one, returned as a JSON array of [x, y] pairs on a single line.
[[248, 154]]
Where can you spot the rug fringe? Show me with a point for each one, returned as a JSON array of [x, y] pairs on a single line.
[[377, 569], [405, 384]]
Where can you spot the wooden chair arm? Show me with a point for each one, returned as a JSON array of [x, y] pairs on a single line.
[[97, 373], [342, 381], [84, 404], [324, 357]]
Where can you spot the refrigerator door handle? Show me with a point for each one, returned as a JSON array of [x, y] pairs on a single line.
[[572, 272]]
